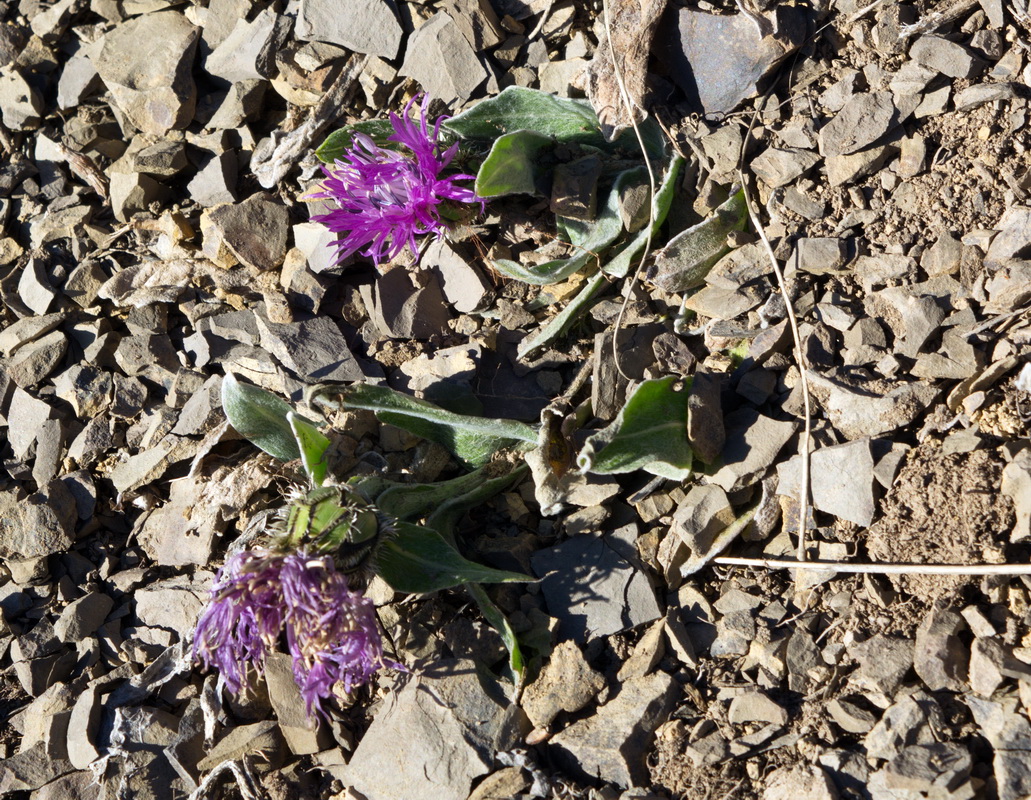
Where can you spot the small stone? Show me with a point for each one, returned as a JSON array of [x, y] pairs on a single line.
[[850, 716], [254, 230], [36, 360], [613, 743], [365, 26], [940, 658], [82, 618], [943, 257], [756, 707], [842, 481], [753, 442], [1016, 484], [781, 166], [863, 120], [912, 156], [239, 56], [20, 104], [83, 728], [241, 103], [315, 350], [819, 256], [843, 169], [146, 63], [981, 93], [34, 287], [883, 663], [132, 192], [911, 720], [442, 61], [799, 782], [948, 58], [215, 182], [567, 683]]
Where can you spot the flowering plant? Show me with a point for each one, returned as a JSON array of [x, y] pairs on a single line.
[[385, 198]]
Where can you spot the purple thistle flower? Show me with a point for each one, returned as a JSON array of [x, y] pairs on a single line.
[[331, 631], [384, 198]]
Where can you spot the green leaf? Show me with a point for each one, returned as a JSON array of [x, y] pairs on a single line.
[[517, 108], [260, 417], [312, 445], [418, 560], [473, 440], [515, 165], [685, 261], [496, 617], [447, 514], [591, 238], [564, 319], [620, 265], [650, 433]]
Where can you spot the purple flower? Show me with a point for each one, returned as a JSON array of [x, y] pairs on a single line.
[[331, 632], [385, 198]]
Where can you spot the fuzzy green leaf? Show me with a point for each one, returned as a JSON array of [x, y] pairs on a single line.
[[312, 445], [650, 433], [516, 164], [418, 560], [260, 417]]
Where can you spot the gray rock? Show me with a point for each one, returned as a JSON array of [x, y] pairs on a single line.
[[20, 104], [700, 516], [315, 350], [883, 663], [940, 658], [753, 442], [173, 604], [874, 410], [441, 59], [242, 101], [799, 782], [850, 716], [365, 26], [943, 257], [36, 360], [718, 60], [912, 720], [303, 288], [819, 255], [1013, 239], [592, 588], [164, 158], [300, 732], [842, 480], [981, 93], [32, 527], [30, 770], [780, 166], [843, 169], [81, 618], [612, 743], [238, 56], [79, 79], [451, 722], [567, 683], [132, 192], [24, 417], [314, 240], [254, 230], [991, 662], [926, 769], [1009, 288], [237, 741], [83, 728], [948, 58], [405, 305], [756, 707], [215, 181], [863, 120], [146, 64], [913, 318], [28, 329], [1016, 484], [203, 411], [34, 287], [1009, 733]]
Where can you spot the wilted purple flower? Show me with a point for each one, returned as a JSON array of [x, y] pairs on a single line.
[[330, 631], [386, 198]]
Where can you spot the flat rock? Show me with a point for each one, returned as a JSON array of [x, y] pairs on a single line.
[[843, 169], [756, 707], [36, 360], [300, 732], [34, 287], [81, 618], [718, 59], [883, 663], [913, 318], [20, 104], [404, 305], [132, 192], [238, 56], [875, 410], [779, 166], [592, 587], [32, 527], [1008, 731], [753, 442], [254, 230], [909, 721], [441, 59], [819, 255], [146, 63], [940, 657], [451, 722], [700, 516], [567, 683], [948, 58], [173, 604], [1016, 484], [365, 26], [799, 782], [612, 743], [863, 120], [215, 182], [842, 480], [315, 350], [926, 770]]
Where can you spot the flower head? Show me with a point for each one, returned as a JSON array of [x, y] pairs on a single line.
[[386, 198], [330, 630]]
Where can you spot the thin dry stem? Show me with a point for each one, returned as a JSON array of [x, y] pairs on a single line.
[[970, 570]]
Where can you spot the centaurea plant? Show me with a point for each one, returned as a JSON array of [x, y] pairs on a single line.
[[386, 198]]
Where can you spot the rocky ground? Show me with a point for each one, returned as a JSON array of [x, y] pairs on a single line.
[[154, 239]]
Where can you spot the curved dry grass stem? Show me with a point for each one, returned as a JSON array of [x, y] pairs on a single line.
[[625, 97], [877, 569]]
